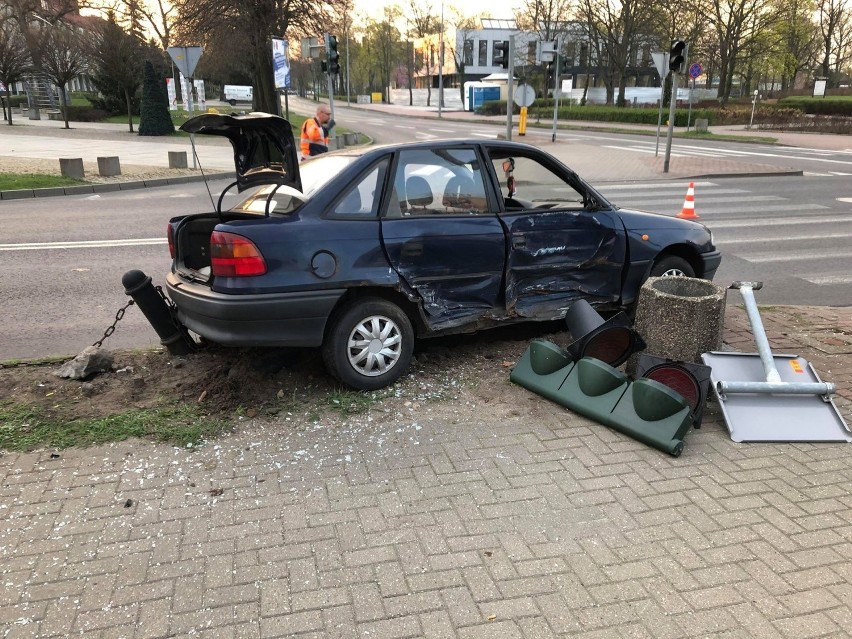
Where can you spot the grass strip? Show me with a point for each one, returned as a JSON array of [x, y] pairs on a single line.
[[24, 428]]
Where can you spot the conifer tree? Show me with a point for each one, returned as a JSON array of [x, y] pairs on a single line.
[[154, 116]]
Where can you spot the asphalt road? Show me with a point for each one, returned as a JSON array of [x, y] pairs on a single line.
[[62, 259]]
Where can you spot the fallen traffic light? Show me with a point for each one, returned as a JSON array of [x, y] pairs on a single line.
[[611, 341], [690, 381], [645, 409]]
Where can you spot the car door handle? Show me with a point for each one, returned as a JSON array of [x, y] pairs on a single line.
[[412, 250], [519, 241]]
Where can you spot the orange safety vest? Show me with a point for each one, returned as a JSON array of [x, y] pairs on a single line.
[[313, 139]]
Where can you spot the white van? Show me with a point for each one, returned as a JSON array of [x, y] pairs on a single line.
[[236, 93]]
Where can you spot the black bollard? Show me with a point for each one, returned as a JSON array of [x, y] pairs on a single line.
[[172, 335]]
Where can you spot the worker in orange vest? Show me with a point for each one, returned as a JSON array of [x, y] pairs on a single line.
[[314, 138]]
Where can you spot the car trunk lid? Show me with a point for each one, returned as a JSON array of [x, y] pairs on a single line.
[[264, 147]]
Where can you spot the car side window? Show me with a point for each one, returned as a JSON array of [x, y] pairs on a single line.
[[438, 182], [362, 198], [526, 183]]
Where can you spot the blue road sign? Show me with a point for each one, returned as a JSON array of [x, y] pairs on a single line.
[[695, 70]]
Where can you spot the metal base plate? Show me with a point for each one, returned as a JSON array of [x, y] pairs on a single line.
[[753, 417]]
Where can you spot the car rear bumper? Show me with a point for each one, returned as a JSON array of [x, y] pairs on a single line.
[[711, 263], [270, 319]]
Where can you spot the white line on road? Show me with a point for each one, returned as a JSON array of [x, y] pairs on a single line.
[[36, 246], [655, 186], [787, 238], [780, 221], [765, 258], [829, 279]]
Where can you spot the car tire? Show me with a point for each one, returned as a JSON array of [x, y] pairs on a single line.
[[672, 266], [232, 102], [369, 344]]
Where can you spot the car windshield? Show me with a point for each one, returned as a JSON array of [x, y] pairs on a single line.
[[314, 173]]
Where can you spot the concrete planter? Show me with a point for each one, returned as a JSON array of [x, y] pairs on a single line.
[[680, 318]]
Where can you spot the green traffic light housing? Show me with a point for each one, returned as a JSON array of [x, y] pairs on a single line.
[[677, 56], [501, 54], [332, 55]]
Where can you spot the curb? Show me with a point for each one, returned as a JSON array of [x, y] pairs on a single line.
[[84, 189]]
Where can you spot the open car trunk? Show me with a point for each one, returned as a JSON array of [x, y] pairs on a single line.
[[192, 243]]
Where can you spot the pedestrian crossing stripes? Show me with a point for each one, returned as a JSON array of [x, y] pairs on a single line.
[[785, 242]]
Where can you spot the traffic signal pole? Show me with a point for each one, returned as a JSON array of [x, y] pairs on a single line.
[[509, 100], [672, 103], [678, 56]]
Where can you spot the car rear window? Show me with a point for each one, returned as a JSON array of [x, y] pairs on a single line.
[[314, 174]]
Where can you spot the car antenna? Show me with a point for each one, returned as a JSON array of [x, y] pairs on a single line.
[[201, 168]]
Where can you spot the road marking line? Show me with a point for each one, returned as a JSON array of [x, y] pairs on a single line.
[[765, 258], [829, 279], [35, 246], [789, 238], [780, 221]]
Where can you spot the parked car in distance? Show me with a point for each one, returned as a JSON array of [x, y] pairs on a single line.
[[362, 251], [233, 93]]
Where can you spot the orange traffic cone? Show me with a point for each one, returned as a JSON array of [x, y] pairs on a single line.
[[688, 210]]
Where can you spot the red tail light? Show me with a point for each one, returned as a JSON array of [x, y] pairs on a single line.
[[171, 234], [233, 255]]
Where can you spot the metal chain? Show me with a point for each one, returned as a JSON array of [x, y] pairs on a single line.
[[111, 329]]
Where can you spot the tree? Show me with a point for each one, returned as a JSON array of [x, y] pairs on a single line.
[[737, 24], [617, 27], [385, 47], [796, 35], [463, 26], [117, 60], [140, 16], [835, 22], [63, 58], [424, 23], [14, 58], [549, 19], [154, 116], [217, 25]]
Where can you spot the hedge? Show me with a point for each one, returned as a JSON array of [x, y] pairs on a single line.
[[730, 115], [818, 106], [15, 100], [85, 114]]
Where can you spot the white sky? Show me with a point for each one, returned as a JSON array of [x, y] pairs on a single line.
[[495, 9]]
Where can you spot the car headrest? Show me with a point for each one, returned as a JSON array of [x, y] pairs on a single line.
[[459, 192], [351, 203], [418, 192]]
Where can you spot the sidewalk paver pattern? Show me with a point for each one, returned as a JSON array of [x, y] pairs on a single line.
[[539, 524]]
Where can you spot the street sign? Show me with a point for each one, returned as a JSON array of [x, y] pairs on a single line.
[[695, 70], [280, 63], [524, 95], [661, 61], [185, 58]]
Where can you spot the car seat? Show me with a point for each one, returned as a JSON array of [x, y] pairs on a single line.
[[351, 203], [458, 194], [419, 194]]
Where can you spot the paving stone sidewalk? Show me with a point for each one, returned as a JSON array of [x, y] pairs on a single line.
[[538, 524]]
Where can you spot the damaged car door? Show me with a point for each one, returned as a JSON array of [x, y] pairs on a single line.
[[565, 241], [443, 237]]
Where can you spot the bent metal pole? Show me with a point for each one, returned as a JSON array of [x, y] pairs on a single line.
[[773, 383]]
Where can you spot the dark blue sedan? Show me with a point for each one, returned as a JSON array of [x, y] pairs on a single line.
[[360, 252]]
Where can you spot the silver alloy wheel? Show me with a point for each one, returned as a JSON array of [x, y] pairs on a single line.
[[374, 345], [673, 272]]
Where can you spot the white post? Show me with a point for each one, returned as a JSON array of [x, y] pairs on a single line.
[[753, 104], [441, 64]]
